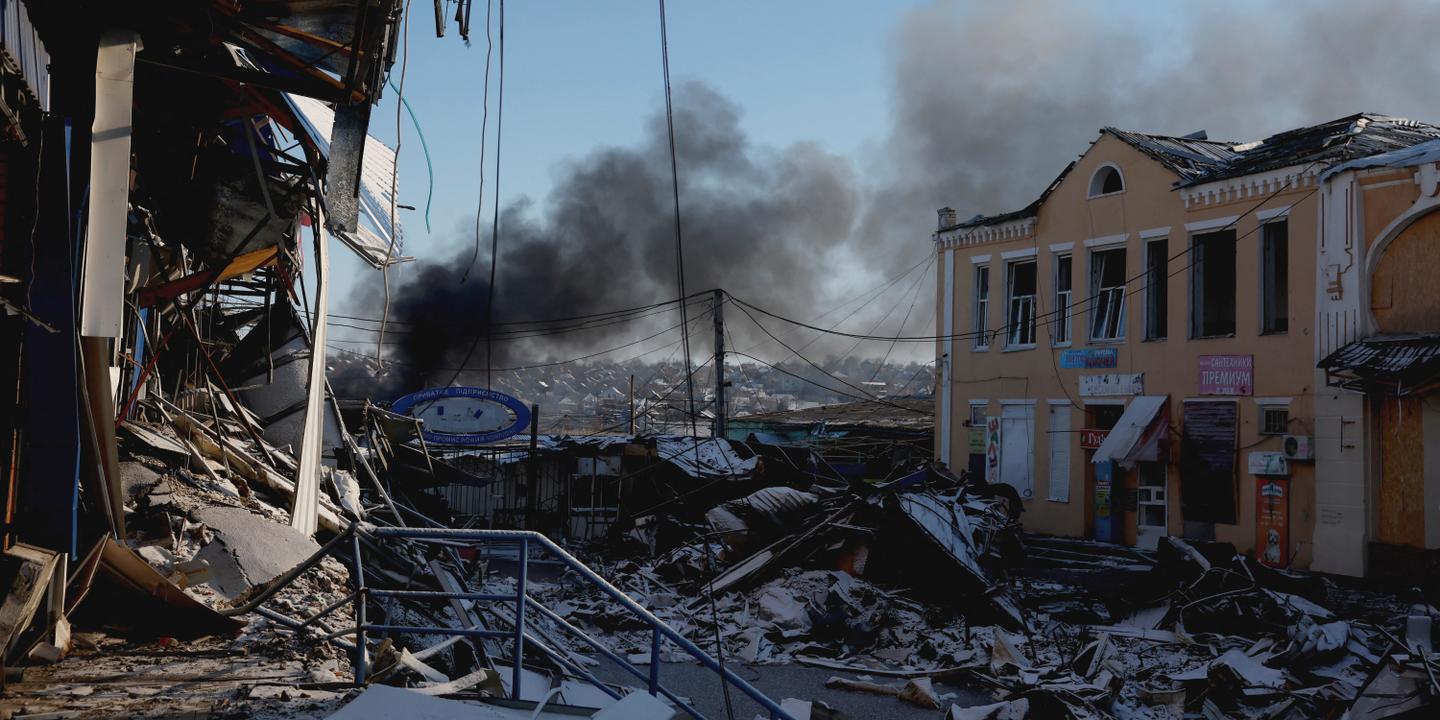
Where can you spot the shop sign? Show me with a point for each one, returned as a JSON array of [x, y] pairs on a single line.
[[1090, 358], [1272, 522], [464, 415], [1227, 375], [977, 440], [1092, 438], [1112, 384], [1269, 463], [992, 449]]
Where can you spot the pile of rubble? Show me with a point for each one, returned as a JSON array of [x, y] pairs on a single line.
[[1054, 630]]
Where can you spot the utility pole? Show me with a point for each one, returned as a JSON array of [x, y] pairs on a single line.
[[720, 421], [632, 404]]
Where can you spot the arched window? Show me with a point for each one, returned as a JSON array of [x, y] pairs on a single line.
[[1106, 180]]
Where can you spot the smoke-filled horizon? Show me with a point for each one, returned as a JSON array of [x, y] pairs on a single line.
[[989, 102]]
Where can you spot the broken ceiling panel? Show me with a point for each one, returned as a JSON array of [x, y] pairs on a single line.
[[376, 239]]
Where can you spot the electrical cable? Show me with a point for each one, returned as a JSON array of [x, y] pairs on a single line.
[[685, 336], [495, 222], [424, 148], [484, 134]]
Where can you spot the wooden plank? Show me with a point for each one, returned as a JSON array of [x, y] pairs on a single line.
[[1401, 516]]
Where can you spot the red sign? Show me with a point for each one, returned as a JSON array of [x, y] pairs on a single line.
[[1227, 374], [1272, 521], [1090, 439]]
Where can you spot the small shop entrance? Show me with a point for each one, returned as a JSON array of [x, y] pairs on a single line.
[[1150, 505]]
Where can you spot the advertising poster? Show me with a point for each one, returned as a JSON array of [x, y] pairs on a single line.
[[992, 449], [1272, 521]]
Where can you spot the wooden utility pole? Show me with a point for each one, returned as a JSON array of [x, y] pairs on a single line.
[[720, 423]]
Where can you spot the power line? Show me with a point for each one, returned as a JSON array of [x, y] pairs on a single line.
[[484, 132]]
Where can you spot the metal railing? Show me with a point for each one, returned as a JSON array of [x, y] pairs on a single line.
[[518, 636]]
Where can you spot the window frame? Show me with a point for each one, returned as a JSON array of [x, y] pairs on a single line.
[[1154, 294], [1095, 189], [1011, 328], [1101, 293], [1198, 263], [1267, 282], [980, 308], [1062, 331]]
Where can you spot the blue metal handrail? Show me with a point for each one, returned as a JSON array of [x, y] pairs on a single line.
[[518, 635]]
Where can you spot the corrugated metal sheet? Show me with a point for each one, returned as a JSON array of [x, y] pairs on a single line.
[[376, 240], [1398, 365], [1336, 141], [24, 53], [1124, 439], [1190, 158]]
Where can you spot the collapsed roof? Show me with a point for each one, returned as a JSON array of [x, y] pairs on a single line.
[[1197, 160]]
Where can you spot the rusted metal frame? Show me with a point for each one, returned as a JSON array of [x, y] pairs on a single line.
[[303, 85], [286, 57], [184, 311], [308, 38]]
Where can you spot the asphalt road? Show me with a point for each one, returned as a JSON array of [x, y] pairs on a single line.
[[702, 687]]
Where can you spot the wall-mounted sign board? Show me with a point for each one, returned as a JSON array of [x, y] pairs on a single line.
[[464, 415]]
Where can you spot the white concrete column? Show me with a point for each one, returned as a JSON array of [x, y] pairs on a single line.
[[102, 299]]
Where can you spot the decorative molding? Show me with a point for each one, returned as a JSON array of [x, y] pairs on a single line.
[[1016, 254], [1212, 224], [1295, 177], [1106, 241], [1017, 402], [1269, 214], [999, 232], [979, 259], [1153, 233], [1062, 247]]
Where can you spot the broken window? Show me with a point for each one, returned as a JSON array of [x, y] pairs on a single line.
[[977, 415], [1020, 321], [1107, 285], [1207, 462], [982, 307], [1157, 284], [1212, 285], [1062, 299], [1275, 277], [1105, 181]]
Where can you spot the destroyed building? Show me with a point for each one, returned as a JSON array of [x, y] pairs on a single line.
[[196, 525], [1135, 351]]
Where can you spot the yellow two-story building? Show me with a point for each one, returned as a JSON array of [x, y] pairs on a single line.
[[1135, 351]]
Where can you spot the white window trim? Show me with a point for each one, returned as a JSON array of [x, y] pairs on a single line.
[[1106, 241], [1201, 226], [1103, 401], [1273, 402], [1155, 233], [1065, 401], [1010, 266], [972, 402], [979, 259], [1123, 185], [1069, 316], [1272, 214], [1094, 293], [1021, 253], [1018, 401]]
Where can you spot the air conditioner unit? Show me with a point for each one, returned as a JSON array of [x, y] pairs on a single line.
[[1299, 447]]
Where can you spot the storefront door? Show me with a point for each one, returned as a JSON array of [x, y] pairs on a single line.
[[1150, 506]]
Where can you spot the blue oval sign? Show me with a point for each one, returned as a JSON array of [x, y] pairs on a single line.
[[465, 415]]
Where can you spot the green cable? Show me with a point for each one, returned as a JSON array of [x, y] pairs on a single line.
[[424, 147]]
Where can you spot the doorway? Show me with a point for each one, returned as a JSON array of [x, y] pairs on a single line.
[[1151, 506]]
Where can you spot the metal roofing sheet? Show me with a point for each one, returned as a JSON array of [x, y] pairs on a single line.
[[1130, 429], [376, 240], [1398, 364]]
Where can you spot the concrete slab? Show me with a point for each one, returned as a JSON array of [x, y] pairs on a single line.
[[249, 549]]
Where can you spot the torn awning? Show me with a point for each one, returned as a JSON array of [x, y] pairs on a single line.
[[1136, 435], [1392, 364], [375, 240]]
